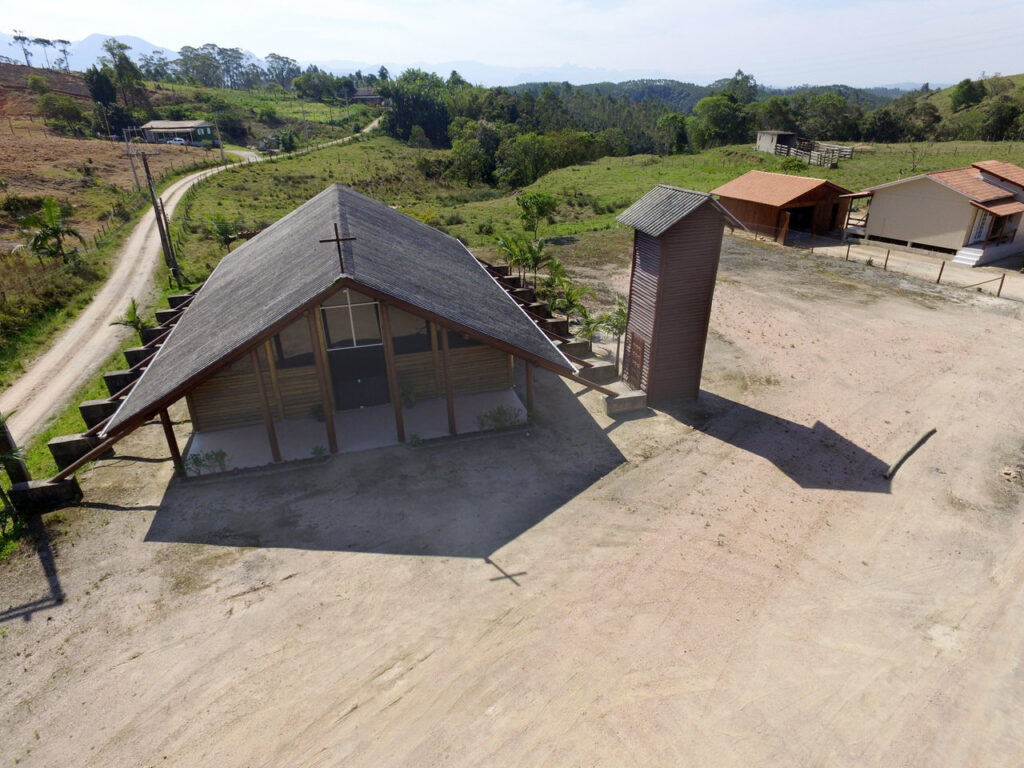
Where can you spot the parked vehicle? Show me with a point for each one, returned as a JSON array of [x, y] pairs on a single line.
[[179, 141]]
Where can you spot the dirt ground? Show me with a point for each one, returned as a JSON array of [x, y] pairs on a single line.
[[729, 583]]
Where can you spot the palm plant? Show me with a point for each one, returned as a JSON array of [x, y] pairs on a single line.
[[223, 230], [512, 250], [549, 287], [133, 319], [615, 322], [589, 327], [45, 232], [533, 257], [570, 302]]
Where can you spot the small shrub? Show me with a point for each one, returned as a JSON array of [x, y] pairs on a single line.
[[485, 227], [499, 418], [415, 440]]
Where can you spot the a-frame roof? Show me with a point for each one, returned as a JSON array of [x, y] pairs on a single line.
[[775, 189], [665, 205], [286, 268]]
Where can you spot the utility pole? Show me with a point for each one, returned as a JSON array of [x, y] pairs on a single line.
[[165, 238], [131, 159], [221, 143]]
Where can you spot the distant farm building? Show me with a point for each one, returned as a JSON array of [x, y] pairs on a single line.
[[192, 131], [366, 96], [788, 144], [676, 248], [775, 204], [770, 141], [973, 213]]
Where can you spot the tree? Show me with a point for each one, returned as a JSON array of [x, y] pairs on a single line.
[[61, 108], [132, 318], [534, 206], [43, 43], [23, 42], [46, 230], [38, 85], [775, 114], [282, 70], [64, 47], [511, 251], [534, 258], [718, 120], [416, 98], [100, 85], [673, 129], [615, 322], [826, 117], [569, 300], [966, 93]]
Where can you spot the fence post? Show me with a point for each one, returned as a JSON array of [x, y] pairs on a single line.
[[885, 267], [848, 251], [1000, 289], [939, 278], [812, 243]]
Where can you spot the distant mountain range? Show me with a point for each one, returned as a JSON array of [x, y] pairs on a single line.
[[84, 53]]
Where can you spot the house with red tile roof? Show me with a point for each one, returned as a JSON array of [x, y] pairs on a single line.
[[971, 213]]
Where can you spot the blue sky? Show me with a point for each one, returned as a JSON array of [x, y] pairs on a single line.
[[780, 43]]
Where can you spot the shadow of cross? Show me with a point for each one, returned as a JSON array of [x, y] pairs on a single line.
[[41, 541], [814, 457], [504, 574]]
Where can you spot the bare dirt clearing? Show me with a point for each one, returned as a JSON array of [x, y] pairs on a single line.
[[728, 584]]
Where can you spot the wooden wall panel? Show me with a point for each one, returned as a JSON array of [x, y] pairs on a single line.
[[479, 369], [690, 252], [643, 300]]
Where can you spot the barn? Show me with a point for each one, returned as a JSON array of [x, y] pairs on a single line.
[[775, 204], [676, 247], [344, 325]]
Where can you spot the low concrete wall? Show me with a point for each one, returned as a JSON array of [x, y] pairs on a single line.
[[118, 380], [95, 411], [67, 449], [42, 495]]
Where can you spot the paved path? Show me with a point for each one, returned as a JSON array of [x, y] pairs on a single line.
[[74, 357]]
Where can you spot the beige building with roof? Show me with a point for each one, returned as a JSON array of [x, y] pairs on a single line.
[[971, 213]]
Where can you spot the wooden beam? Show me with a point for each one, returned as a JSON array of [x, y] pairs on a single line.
[[319, 355], [529, 387], [389, 362], [268, 417], [436, 352], [449, 396], [172, 443], [274, 383]]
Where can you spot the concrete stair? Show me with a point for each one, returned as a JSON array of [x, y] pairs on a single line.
[[626, 401]]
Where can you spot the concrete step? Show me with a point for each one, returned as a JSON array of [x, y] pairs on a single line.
[[628, 401], [135, 355], [558, 325], [574, 348], [118, 380], [177, 299], [67, 449], [600, 372], [539, 308], [42, 495], [152, 334], [163, 315], [95, 411]]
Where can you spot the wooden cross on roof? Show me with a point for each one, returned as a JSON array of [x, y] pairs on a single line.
[[338, 239]]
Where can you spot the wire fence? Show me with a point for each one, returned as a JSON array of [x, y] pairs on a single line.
[[1004, 283]]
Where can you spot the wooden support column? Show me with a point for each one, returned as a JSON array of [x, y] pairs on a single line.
[[319, 355], [449, 396], [172, 443], [274, 383], [389, 361], [529, 387], [268, 417], [436, 353]]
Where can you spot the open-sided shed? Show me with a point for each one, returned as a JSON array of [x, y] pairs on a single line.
[[774, 204], [342, 305]]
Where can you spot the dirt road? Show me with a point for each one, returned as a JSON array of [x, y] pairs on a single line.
[[732, 583], [50, 381], [74, 357]]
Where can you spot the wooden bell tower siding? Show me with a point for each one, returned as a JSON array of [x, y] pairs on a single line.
[[676, 248], [295, 322]]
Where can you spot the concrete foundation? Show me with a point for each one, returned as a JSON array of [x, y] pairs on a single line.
[[628, 402], [67, 449], [135, 355], [42, 495], [118, 380], [177, 299], [95, 411]]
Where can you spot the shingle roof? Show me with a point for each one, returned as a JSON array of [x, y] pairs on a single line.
[[776, 189], [1003, 170], [1006, 207], [285, 267], [663, 206]]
